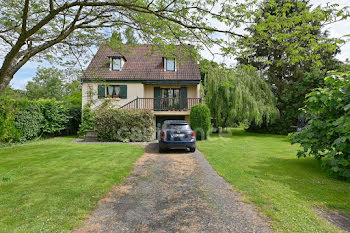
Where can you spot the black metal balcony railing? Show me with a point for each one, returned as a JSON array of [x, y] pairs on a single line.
[[163, 104]]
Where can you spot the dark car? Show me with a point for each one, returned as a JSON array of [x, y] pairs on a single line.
[[177, 134]]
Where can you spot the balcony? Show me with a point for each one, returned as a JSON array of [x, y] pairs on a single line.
[[163, 104]]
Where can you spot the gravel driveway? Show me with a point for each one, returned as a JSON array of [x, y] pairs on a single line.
[[174, 192]]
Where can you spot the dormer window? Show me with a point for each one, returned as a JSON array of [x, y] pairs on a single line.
[[170, 64], [116, 63]]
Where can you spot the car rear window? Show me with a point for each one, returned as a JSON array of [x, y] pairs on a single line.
[[178, 126]]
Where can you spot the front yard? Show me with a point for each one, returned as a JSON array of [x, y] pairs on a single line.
[[51, 185], [287, 189]]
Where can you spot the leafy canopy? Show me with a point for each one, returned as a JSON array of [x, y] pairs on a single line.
[[52, 83], [58, 29], [287, 42], [328, 133], [239, 95]]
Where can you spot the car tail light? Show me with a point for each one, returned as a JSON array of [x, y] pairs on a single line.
[[192, 134], [163, 135]]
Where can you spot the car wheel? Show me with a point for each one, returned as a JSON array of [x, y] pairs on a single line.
[[193, 149]]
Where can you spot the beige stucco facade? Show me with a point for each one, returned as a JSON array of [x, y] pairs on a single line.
[[90, 90], [192, 91], [134, 90]]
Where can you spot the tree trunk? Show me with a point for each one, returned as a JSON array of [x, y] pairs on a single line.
[[5, 81]]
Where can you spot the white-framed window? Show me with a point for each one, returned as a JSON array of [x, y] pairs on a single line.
[[170, 64], [116, 63], [113, 91]]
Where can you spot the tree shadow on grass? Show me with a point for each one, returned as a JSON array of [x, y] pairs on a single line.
[[308, 180]]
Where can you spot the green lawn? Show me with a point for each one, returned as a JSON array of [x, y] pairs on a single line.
[[287, 189], [51, 185]]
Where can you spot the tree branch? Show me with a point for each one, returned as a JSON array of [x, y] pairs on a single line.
[[25, 17]]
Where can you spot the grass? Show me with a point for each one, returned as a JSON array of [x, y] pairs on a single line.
[[287, 189], [51, 185]]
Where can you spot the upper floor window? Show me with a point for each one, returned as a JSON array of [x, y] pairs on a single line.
[[170, 64], [116, 63]]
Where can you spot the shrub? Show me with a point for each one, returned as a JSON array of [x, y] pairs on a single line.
[[55, 116], [29, 120], [328, 134], [8, 130], [200, 120], [88, 121], [22, 119], [125, 125]]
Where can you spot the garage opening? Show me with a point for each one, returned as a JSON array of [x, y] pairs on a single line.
[[161, 119]]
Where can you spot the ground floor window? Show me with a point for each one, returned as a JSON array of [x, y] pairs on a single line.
[[113, 91]]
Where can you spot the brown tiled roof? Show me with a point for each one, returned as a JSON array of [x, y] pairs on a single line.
[[142, 63]]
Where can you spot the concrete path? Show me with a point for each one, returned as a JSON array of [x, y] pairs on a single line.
[[174, 192]]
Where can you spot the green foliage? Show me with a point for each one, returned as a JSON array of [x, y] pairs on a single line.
[[328, 133], [8, 130], [29, 120], [287, 42], [88, 121], [291, 101], [239, 95], [124, 125], [72, 98], [52, 83], [200, 120], [47, 84], [55, 116], [23, 119]]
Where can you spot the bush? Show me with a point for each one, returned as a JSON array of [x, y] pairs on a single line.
[[22, 119], [328, 133], [125, 125], [55, 116], [8, 130], [200, 120], [29, 120], [88, 121]]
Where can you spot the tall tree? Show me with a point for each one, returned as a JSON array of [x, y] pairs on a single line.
[[239, 95], [48, 83], [53, 29], [288, 44]]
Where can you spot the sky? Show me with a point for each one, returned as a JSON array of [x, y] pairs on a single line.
[[338, 29]]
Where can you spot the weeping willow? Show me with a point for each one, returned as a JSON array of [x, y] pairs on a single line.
[[239, 95]]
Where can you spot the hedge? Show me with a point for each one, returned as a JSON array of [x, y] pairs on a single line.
[[200, 120], [124, 125], [29, 120], [88, 121], [8, 130], [22, 120]]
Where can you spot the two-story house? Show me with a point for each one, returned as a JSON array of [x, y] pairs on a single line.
[[142, 78]]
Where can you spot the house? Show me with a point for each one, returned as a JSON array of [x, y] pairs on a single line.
[[141, 77]]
